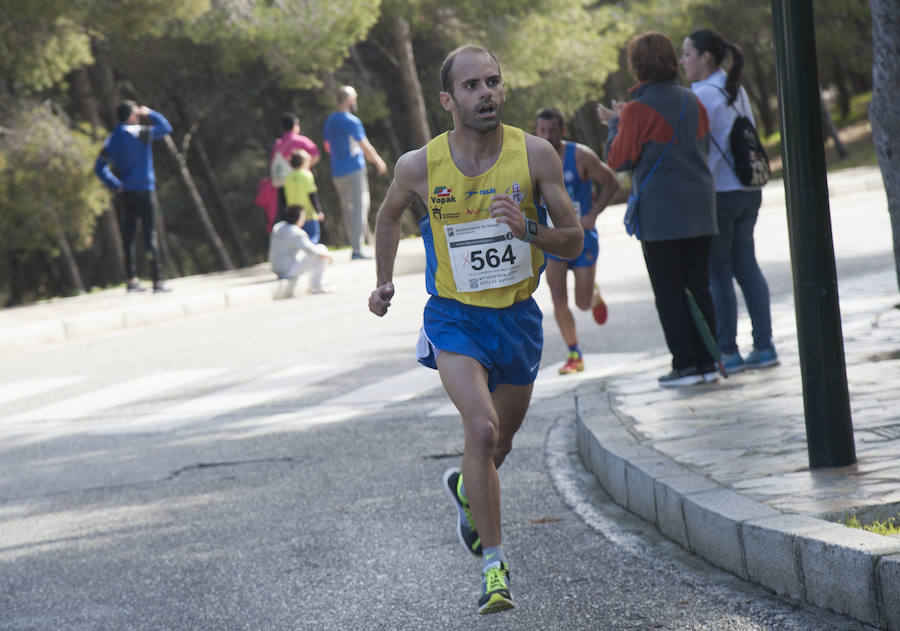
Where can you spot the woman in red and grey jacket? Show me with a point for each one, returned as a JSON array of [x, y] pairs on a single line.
[[676, 210]]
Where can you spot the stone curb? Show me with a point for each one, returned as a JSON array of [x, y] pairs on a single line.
[[849, 571]]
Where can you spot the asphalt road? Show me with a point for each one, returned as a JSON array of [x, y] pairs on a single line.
[[278, 467]]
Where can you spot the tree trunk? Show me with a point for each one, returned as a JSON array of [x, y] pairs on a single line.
[[415, 101], [109, 92], [883, 111], [212, 236], [109, 232], [172, 263], [72, 273], [227, 214]]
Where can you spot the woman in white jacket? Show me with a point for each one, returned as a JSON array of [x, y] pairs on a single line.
[[732, 252]]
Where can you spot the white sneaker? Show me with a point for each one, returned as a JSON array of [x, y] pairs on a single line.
[[324, 288]]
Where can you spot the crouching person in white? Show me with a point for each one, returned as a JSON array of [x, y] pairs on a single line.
[[292, 254]]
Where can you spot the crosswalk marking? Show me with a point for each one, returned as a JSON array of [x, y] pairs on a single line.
[[402, 387], [394, 389], [81, 413], [245, 395], [24, 388], [112, 396]]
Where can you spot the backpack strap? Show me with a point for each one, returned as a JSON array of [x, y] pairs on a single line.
[[713, 138]]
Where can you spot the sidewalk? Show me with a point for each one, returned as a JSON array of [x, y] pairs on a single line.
[[721, 468], [65, 319]]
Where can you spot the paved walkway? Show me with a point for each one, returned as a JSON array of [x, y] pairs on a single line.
[[721, 469]]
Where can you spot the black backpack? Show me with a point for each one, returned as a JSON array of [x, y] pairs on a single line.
[[751, 164]]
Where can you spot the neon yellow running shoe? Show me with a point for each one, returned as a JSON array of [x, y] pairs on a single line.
[[465, 524], [495, 584]]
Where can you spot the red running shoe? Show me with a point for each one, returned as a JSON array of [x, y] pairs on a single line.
[[599, 309]]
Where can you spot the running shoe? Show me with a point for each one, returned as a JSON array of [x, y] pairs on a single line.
[[495, 589], [762, 358], [599, 309], [465, 524], [575, 363]]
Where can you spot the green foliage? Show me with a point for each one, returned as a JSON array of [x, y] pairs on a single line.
[[40, 43], [295, 39], [142, 18], [46, 173]]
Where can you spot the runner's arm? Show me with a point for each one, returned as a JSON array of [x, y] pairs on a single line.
[[593, 168], [565, 239], [410, 175]]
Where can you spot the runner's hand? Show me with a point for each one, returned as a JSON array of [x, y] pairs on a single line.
[[380, 299], [505, 210]]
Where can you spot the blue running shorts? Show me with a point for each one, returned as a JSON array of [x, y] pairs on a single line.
[[589, 252], [507, 342]]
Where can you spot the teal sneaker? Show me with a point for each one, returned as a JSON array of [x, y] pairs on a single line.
[[495, 589], [465, 524], [762, 359], [733, 363]]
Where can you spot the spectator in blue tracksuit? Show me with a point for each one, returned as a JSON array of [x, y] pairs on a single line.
[[125, 165]]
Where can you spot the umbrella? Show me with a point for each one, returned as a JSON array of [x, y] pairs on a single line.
[[709, 341]]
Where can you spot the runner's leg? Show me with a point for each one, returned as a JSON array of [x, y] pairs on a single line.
[[556, 273], [465, 381]]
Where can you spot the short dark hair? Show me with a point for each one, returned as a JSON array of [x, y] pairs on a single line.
[[298, 157], [447, 66], [550, 114], [292, 213], [288, 120], [123, 112], [652, 57]]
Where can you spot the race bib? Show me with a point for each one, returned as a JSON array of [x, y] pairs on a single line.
[[484, 254]]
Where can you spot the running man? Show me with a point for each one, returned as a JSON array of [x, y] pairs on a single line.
[[484, 239], [582, 169]]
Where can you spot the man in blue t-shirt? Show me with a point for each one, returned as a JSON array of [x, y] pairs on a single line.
[[346, 143], [125, 165]]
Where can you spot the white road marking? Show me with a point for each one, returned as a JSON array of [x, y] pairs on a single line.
[[238, 397], [25, 388], [95, 401]]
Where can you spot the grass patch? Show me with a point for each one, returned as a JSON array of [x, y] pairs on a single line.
[[887, 527]]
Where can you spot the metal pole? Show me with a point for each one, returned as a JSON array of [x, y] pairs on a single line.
[[826, 400]]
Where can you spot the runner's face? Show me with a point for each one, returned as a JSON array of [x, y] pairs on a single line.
[[549, 130], [478, 92]]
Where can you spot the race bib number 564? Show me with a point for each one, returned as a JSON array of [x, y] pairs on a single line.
[[484, 254]]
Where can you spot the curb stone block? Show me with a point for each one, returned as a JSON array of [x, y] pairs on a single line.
[[615, 458], [839, 567], [669, 493], [150, 313], [204, 303], [889, 573], [640, 478], [713, 521], [33, 334], [93, 323], [771, 553]]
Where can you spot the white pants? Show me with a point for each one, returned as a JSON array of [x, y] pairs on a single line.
[[307, 263]]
